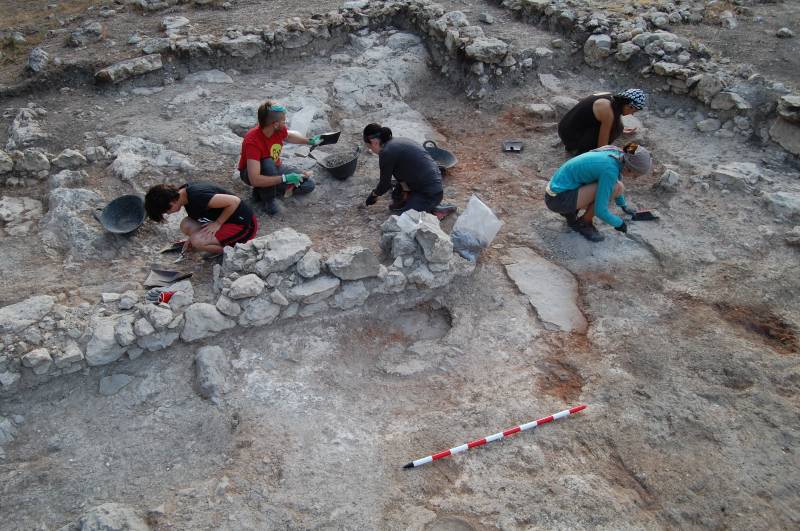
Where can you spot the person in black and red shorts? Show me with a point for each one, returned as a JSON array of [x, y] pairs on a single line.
[[215, 218]]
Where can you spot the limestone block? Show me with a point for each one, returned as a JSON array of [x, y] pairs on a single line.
[[159, 315], [784, 204], [68, 178], [283, 248], [204, 320], [309, 265], [352, 294], [37, 60], [353, 263], [69, 355], [39, 360], [551, 290], [314, 290], [228, 307], [143, 328], [103, 347], [33, 161], [210, 365], [312, 309], [787, 134], [16, 317], [540, 111], [625, 51], [436, 244], [247, 286], [69, 159], [259, 311], [789, 108], [725, 101], [596, 48], [6, 163], [129, 68], [737, 175], [158, 340], [123, 331], [488, 50]]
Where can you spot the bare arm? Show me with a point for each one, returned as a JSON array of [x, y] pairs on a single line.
[[605, 115], [296, 138], [228, 204], [256, 179]]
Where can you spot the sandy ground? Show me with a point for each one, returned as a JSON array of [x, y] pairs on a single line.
[[690, 365]]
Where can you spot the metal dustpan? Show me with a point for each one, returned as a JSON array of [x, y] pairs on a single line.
[[512, 146], [327, 139], [162, 277]]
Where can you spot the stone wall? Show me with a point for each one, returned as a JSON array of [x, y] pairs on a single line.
[[739, 100], [269, 279]]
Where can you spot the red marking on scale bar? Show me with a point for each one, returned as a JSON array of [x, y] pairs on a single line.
[[441, 454], [473, 444], [511, 431], [577, 408], [544, 420]]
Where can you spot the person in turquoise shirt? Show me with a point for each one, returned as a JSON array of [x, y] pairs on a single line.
[[590, 181]]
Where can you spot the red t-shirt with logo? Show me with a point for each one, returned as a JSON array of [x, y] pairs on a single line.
[[256, 146]]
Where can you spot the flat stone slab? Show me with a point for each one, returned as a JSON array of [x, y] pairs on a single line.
[[551, 289]]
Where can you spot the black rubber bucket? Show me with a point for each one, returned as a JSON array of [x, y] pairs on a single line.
[[341, 166], [443, 158], [122, 215]]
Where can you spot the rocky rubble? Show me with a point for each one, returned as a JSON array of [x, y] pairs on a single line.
[[273, 277], [637, 38]]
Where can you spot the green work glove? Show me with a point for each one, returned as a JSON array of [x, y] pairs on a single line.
[[292, 178], [315, 140]]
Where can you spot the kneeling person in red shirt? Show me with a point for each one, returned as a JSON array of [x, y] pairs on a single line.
[[215, 218], [260, 164]]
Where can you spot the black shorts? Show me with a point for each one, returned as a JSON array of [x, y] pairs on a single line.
[[563, 202]]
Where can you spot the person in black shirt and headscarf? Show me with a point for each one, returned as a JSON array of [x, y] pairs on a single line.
[[596, 121]]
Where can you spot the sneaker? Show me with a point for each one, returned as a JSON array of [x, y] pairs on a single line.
[[589, 231]]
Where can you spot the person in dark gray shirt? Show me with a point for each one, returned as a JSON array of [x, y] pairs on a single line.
[[417, 174]]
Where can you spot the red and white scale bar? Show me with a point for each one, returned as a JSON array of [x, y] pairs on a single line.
[[495, 437]]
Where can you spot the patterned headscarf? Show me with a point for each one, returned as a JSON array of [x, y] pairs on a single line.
[[636, 98]]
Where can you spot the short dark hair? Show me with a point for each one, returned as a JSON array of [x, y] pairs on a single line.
[[159, 199], [384, 134], [266, 115]]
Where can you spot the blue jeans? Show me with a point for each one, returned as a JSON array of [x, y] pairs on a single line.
[[266, 193]]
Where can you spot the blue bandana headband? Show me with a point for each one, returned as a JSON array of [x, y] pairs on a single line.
[[277, 108]]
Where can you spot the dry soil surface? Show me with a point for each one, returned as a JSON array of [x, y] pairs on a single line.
[[689, 366]]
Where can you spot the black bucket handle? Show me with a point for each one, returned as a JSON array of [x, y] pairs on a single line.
[[431, 142]]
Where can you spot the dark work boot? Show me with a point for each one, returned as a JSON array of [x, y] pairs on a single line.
[[572, 220], [270, 206], [589, 231]]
